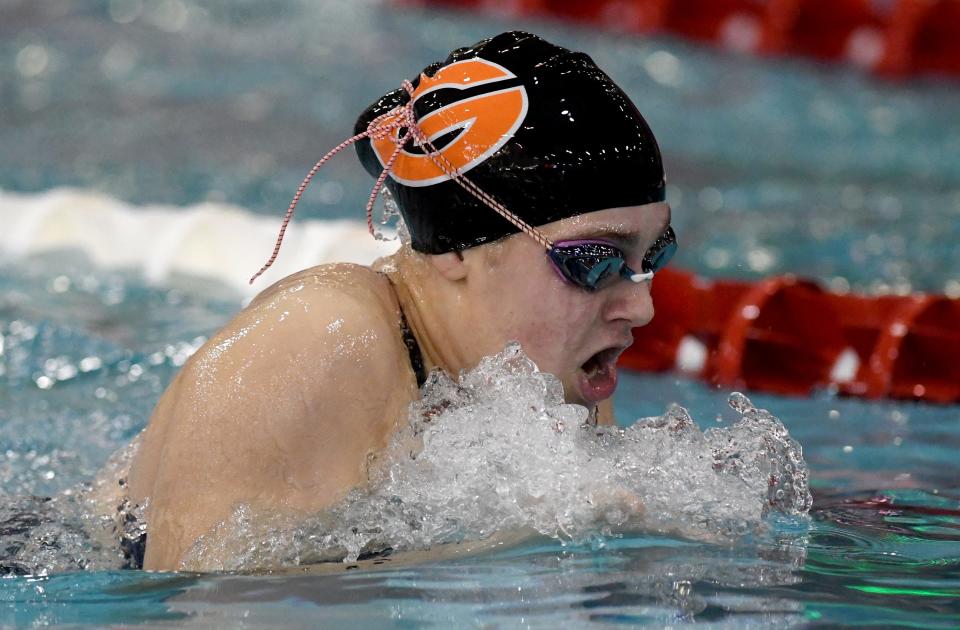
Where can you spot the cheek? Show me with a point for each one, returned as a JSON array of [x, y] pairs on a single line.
[[538, 309], [553, 327]]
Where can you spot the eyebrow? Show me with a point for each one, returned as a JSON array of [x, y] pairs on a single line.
[[612, 233]]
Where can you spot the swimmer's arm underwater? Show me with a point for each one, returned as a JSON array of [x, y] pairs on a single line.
[[278, 411]]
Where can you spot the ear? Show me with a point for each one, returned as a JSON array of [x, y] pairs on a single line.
[[450, 265]]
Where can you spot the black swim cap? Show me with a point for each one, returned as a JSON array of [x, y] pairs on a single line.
[[538, 127]]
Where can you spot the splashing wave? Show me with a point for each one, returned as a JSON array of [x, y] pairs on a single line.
[[498, 449]]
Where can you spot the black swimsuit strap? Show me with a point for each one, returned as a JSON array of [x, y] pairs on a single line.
[[413, 349]]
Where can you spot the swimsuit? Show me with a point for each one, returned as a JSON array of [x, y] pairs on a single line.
[[133, 550], [413, 349]]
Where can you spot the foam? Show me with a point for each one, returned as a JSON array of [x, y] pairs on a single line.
[[499, 451]]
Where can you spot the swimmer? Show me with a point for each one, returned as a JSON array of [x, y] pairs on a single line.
[[533, 193]]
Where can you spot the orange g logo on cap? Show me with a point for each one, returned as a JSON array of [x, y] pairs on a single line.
[[486, 122]]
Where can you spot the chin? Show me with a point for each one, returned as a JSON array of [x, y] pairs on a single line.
[[573, 396]]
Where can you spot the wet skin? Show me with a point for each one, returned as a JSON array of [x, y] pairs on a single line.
[[282, 408]]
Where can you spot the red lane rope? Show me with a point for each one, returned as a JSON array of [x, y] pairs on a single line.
[[895, 38], [792, 337]]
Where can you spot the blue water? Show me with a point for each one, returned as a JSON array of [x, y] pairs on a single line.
[[774, 165]]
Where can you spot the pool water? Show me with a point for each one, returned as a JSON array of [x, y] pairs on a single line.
[[774, 166]]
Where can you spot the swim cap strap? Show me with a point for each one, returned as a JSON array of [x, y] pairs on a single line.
[[375, 130], [404, 119]]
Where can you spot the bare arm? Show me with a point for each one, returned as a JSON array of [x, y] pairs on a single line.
[[277, 411]]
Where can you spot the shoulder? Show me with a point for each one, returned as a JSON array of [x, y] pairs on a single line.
[[328, 302], [340, 284], [279, 409], [329, 319], [305, 380]]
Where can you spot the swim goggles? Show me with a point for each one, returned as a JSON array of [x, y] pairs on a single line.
[[588, 264], [592, 265]]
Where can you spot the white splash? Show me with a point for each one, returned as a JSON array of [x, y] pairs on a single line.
[[498, 450]]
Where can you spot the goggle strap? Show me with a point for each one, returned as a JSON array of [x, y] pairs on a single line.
[[450, 169]]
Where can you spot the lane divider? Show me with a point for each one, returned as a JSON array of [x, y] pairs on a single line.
[[889, 38], [790, 336]]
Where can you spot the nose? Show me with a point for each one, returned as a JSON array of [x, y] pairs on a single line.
[[631, 302]]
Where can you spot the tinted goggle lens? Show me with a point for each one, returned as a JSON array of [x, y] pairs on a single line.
[[589, 264], [660, 252], [593, 264]]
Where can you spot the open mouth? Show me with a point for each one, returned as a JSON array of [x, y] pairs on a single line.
[[600, 361], [598, 375]]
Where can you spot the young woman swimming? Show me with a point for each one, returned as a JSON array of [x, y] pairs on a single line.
[[533, 192]]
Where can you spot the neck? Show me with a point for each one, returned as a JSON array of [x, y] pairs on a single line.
[[433, 312]]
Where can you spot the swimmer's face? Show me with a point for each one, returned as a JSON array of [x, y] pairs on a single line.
[[572, 333]]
